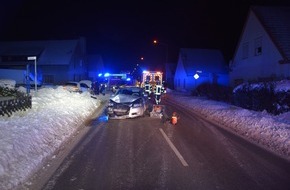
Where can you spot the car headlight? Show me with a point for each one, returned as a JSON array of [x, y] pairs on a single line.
[[111, 103]]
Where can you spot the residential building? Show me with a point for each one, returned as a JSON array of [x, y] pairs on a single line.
[[58, 61], [263, 50], [199, 66]]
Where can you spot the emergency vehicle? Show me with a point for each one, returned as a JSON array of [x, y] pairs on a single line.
[[152, 77], [149, 81], [152, 82]]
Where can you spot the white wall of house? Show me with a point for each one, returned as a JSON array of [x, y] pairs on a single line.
[[251, 63]]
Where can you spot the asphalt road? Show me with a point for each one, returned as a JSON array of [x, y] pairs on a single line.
[[147, 153]]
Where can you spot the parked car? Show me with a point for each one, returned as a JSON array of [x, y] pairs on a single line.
[[85, 85], [72, 86], [128, 102]]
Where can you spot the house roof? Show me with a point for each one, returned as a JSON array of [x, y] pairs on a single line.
[[51, 52], [276, 21], [204, 60]]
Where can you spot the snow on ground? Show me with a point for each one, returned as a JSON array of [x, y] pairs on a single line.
[[27, 138]]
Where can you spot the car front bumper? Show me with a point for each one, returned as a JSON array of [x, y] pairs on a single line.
[[124, 113]]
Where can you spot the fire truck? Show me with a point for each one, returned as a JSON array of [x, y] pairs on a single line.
[[152, 77], [153, 84], [149, 81]]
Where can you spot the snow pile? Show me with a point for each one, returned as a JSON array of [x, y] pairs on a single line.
[[27, 138], [7, 83]]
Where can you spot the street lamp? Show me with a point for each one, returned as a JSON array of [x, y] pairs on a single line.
[[166, 46], [33, 58], [166, 59]]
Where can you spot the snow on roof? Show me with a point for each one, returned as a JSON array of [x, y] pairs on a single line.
[[50, 52]]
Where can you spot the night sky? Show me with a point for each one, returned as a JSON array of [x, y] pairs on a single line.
[[123, 32]]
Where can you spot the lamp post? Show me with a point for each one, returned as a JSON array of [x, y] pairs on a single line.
[[166, 58], [33, 58], [166, 46]]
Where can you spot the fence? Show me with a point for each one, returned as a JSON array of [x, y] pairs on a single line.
[[8, 106]]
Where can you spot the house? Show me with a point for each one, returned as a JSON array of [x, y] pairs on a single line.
[[263, 50], [198, 66], [169, 74], [95, 66], [57, 61]]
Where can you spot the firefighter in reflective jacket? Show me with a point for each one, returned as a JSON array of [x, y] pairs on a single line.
[[148, 88], [157, 92]]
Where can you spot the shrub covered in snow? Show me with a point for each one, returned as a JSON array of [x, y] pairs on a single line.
[[274, 97], [213, 92]]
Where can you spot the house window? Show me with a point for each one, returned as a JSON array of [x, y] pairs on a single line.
[[258, 46], [245, 50]]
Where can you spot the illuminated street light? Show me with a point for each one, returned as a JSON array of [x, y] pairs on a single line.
[[166, 46]]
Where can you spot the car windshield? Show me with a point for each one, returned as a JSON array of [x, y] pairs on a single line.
[[128, 91]]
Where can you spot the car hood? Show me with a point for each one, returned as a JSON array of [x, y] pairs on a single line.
[[122, 98]]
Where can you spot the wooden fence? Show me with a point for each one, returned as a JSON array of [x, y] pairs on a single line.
[[10, 105]]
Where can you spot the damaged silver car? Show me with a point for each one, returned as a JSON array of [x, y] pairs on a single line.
[[128, 102]]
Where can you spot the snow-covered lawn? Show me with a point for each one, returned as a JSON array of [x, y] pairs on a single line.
[[28, 138]]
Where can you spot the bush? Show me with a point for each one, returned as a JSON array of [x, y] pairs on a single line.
[[260, 97], [8, 92], [17, 101], [213, 91]]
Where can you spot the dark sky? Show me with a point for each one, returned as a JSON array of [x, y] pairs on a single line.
[[123, 31]]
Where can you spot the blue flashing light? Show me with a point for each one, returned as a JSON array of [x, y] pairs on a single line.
[[100, 74], [128, 79], [103, 118], [145, 71], [107, 75]]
